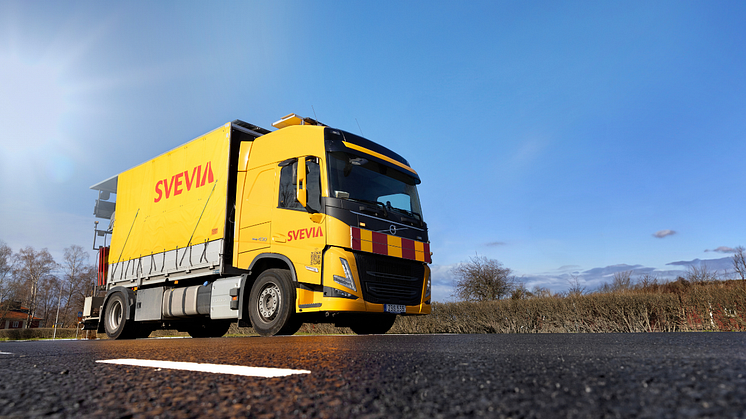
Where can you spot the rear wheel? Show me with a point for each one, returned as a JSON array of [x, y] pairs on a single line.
[[373, 324], [116, 324], [209, 329], [272, 304]]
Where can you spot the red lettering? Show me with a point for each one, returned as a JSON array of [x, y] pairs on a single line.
[[305, 233], [177, 184], [169, 187], [182, 182], [158, 191], [207, 176], [188, 180]]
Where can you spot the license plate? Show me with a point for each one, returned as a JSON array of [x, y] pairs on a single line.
[[394, 308]]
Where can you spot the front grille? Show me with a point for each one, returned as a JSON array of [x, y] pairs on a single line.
[[389, 280]]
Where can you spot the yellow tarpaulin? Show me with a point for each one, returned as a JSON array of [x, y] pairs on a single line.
[[174, 200]]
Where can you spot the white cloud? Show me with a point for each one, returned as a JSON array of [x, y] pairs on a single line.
[[594, 278], [568, 268], [722, 249], [722, 265], [663, 233], [443, 289], [495, 244]]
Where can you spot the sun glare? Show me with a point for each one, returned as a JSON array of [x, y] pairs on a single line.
[[32, 106], [31, 112]]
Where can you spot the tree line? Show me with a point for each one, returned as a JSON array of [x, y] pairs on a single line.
[[32, 282], [484, 279]]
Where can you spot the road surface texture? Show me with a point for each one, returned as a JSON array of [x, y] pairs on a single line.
[[673, 375]]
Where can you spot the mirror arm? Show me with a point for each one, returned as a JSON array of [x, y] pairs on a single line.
[[301, 191]]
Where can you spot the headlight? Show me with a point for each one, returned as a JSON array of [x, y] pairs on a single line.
[[428, 285], [347, 280]]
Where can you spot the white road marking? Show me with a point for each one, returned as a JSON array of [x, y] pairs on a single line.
[[6, 353], [213, 368]]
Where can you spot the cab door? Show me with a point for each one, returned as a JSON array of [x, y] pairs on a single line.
[[298, 227]]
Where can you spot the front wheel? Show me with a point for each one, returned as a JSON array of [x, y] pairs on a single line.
[[116, 324], [272, 304]]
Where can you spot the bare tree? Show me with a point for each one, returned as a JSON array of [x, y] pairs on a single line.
[[576, 288], [77, 277], [520, 292], [739, 262], [76, 293], [541, 292], [30, 268], [483, 279], [622, 282], [646, 281], [47, 298], [700, 273], [7, 285], [6, 260]]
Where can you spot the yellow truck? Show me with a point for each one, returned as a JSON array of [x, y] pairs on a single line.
[[270, 229]]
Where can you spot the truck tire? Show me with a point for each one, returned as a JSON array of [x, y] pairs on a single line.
[[209, 329], [116, 324], [374, 324], [272, 304]]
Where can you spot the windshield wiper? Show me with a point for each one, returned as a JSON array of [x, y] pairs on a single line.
[[368, 201], [411, 214], [387, 208], [377, 203]]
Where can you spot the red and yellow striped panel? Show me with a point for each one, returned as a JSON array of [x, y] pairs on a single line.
[[384, 244]]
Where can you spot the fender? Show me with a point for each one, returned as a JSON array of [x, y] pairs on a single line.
[[129, 297], [276, 256]]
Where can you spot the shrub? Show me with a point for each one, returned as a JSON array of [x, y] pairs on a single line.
[[38, 333]]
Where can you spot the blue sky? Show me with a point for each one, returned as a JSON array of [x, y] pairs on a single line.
[[556, 137]]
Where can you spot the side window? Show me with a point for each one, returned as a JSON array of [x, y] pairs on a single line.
[[289, 181]]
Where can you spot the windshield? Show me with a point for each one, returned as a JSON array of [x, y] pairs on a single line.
[[357, 178]]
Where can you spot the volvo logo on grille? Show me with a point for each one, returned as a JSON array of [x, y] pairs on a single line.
[[392, 230]]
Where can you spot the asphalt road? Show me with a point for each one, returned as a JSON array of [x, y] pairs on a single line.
[[448, 376]]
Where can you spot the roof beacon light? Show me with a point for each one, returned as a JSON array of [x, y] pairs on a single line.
[[288, 120], [294, 119]]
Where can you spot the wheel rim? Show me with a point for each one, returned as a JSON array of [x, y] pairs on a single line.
[[269, 302], [114, 318]]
